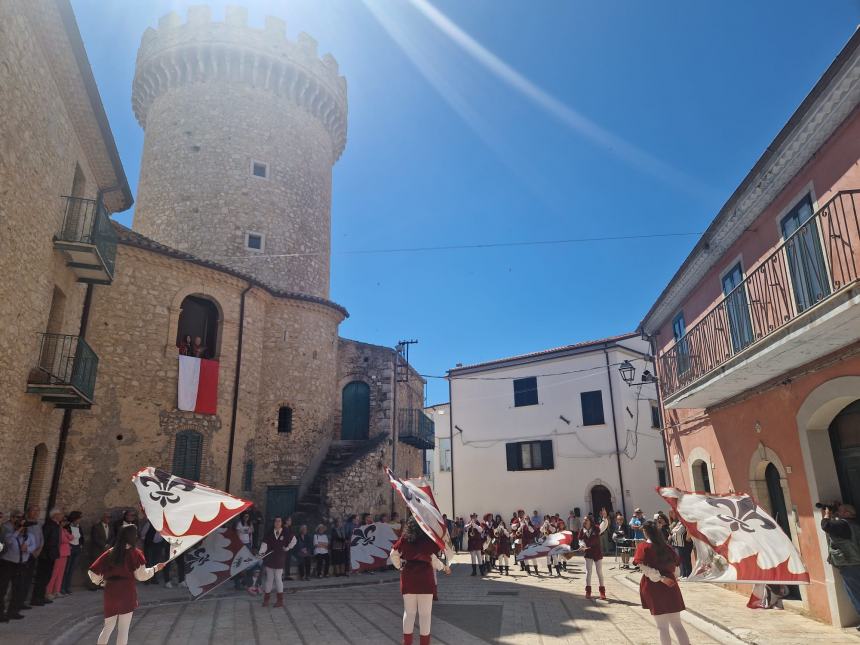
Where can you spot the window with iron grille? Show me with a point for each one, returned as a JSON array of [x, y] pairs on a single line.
[[592, 408], [187, 454], [525, 391], [530, 455], [248, 476]]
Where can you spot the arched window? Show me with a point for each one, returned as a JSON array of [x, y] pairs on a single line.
[[701, 478], [187, 454], [38, 470], [198, 318], [355, 411]]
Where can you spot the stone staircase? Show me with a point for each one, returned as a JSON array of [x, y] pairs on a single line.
[[311, 508]]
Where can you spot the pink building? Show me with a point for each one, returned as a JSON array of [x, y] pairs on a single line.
[[757, 336]]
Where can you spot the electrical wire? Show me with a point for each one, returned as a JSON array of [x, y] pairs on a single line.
[[514, 378]]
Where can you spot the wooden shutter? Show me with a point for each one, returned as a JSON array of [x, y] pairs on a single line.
[[187, 454], [513, 452], [248, 479], [546, 457]]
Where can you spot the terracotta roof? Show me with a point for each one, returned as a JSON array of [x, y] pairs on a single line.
[[129, 237], [548, 352]]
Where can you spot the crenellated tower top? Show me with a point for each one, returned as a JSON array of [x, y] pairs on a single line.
[[200, 51]]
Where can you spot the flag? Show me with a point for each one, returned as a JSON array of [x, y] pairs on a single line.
[[419, 498], [370, 546], [736, 540], [552, 544], [183, 511], [198, 385], [219, 557]]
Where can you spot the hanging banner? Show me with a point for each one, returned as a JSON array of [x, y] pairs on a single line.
[[183, 511], [215, 560], [370, 546], [736, 540]]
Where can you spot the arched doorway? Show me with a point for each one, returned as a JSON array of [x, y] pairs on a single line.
[[36, 483], [779, 512], [845, 440], [600, 498], [199, 318], [355, 411], [701, 478]]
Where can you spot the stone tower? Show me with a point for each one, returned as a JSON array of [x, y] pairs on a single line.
[[242, 129]]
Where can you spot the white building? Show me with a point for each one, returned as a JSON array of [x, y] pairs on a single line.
[[551, 431]]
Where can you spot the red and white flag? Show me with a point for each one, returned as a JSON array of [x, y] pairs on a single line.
[[215, 560], [370, 546], [736, 540], [419, 498], [552, 544], [183, 511], [198, 385]]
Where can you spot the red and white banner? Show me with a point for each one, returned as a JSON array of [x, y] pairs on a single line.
[[736, 540], [419, 498], [215, 560], [552, 544], [370, 546], [183, 511], [198, 385]]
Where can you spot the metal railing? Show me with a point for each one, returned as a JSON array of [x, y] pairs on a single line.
[[87, 221], [68, 360], [816, 261], [415, 427]]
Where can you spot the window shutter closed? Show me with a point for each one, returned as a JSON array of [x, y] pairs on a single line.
[[187, 455], [513, 450], [546, 455]]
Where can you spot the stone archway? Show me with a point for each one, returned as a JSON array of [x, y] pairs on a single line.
[[814, 417], [601, 486], [701, 471]]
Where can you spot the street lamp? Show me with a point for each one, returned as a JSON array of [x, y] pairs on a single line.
[[628, 374]]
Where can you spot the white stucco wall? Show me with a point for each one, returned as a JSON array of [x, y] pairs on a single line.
[[482, 407], [441, 415]]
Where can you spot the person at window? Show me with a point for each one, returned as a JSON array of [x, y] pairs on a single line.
[[304, 551], [843, 547], [18, 544], [589, 543], [185, 346], [621, 537], [414, 555], [337, 542], [198, 349], [275, 543], [680, 541], [321, 551], [76, 544], [658, 588], [117, 570]]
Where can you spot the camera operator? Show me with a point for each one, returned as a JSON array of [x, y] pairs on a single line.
[[19, 544], [839, 522]]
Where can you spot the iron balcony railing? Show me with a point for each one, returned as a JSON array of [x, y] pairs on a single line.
[[87, 221], [416, 428], [69, 361], [816, 261]]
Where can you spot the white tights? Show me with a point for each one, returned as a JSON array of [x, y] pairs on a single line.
[[124, 622], [274, 576], [597, 564], [421, 604], [503, 560], [664, 621], [476, 557]]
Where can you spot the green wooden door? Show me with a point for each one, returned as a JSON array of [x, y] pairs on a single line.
[[355, 407], [280, 502]]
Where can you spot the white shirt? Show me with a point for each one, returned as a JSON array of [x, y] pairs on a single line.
[[76, 535]]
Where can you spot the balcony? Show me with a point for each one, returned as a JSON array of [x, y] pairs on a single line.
[[66, 372], [797, 305], [416, 429], [88, 240]]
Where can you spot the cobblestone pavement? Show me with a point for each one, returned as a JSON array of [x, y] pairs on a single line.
[[514, 610]]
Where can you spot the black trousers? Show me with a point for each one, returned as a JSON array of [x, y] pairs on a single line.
[[8, 572], [44, 569]]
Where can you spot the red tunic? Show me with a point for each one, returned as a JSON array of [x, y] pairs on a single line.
[[503, 544], [120, 594], [656, 596], [476, 540], [592, 544], [416, 571]]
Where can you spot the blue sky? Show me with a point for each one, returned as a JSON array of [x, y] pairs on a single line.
[[495, 121]]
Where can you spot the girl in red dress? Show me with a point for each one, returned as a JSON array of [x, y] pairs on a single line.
[[589, 540], [414, 554], [503, 547], [658, 588], [118, 569]]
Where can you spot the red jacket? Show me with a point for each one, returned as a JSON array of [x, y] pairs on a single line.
[[591, 541], [416, 571]]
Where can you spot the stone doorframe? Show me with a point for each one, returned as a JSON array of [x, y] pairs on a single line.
[[696, 455], [758, 489], [813, 423], [612, 494]]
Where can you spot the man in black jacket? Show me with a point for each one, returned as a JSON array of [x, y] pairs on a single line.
[[50, 553], [101, 539]]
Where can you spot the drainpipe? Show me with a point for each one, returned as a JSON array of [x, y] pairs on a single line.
[[615, 432], [394, 432], [670, 471], [451, 441], [236, 388]]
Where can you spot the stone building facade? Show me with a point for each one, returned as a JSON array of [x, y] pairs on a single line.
[[288, 386]]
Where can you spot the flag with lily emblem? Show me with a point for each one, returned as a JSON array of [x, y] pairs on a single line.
[[736, 540], [419, 498], [215, 560], [183, 511], [370, 546]]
